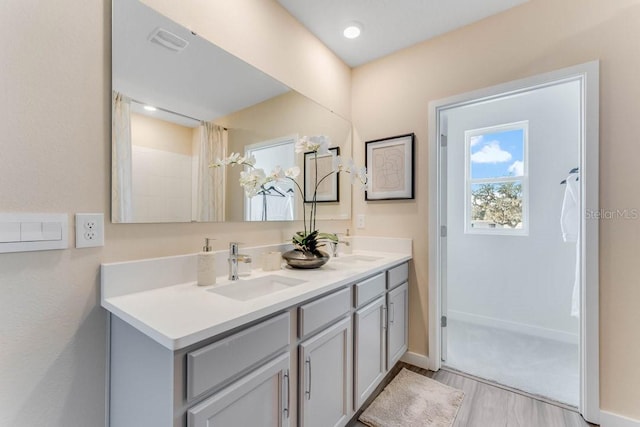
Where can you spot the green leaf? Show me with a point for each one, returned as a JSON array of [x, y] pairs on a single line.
[[328, 236]]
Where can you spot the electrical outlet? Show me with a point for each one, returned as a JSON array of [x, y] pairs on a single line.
[[89, 230], [360, 221]]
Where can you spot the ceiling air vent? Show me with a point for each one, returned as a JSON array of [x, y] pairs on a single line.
[[167, 39]]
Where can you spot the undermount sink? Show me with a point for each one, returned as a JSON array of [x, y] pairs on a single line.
[[356, 258], [247, 289]]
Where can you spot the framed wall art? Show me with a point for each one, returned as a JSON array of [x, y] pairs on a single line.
[[390, 164], [328, 188]]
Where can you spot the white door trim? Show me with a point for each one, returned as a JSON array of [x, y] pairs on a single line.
[[588, 75]]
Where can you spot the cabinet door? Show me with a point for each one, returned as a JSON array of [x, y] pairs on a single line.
[[397, 324], [369, 349], [325, 377], [260, 398]]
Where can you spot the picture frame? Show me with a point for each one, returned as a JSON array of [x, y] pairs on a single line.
[[390, 168], [329, 188]]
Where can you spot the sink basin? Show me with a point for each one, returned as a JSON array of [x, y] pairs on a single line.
[[247, 289], [356, 258]]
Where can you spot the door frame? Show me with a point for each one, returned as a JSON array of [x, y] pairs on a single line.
[[588, 76]]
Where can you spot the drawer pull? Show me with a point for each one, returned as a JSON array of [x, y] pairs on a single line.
[[392, 311], [285, 410], [308, 392], [384, 317]]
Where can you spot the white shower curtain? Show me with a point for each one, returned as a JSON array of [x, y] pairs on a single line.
[[211, 181], [121, 202]]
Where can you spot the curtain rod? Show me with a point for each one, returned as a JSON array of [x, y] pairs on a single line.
[[170, 112]]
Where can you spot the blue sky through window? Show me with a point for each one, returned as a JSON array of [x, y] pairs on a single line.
[[497, 154]]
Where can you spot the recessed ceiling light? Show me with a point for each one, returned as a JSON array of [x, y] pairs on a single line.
[[352, 31], [150, 108]]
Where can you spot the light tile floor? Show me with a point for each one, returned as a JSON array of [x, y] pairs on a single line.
[[534, 365]]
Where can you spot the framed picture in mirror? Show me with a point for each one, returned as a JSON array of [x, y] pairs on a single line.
[[389, 163], [319, 177]]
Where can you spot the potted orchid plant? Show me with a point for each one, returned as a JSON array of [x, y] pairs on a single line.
[[307, 242]]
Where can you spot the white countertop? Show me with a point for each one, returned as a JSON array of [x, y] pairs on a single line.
[[183, 314]]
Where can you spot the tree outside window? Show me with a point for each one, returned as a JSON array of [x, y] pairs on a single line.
[[496, 196]]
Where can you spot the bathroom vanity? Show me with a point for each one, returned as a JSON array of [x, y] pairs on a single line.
[[298, 348]]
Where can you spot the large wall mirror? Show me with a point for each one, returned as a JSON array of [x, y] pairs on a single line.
[[179, 103]]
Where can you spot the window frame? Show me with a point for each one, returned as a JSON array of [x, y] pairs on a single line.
[[524, 179]]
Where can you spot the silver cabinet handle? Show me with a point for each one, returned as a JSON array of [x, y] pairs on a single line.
[[392, 309], [308, 364], [285, 410], [384, 317]]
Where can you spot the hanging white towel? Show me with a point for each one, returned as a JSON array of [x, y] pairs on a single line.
[[570, 225], [570, 217], [278, 208]]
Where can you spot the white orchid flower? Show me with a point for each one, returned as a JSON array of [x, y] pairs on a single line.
[[350, 167], [302, 144], [276, 173], [320, 144], [292, 172], [233, 158], [252, 181], [218, 163], [338, 163], [251, 160], [317, 143]]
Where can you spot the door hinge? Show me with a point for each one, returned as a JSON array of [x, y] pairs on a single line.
[[443, 140], [443, 321], [443, 231]]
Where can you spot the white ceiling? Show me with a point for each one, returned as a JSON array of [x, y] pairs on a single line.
[[387, 25]]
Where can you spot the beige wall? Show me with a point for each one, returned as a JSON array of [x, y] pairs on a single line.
[[162, 135], [391, 97], [55, 157]]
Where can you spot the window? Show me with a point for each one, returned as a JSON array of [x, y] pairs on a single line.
[[496, 191]]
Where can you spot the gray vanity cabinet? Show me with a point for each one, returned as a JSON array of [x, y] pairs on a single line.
[[380, 328], [343, 343], [260, 398], [397, 323], [325, 377], [243, 376], [369, 349]]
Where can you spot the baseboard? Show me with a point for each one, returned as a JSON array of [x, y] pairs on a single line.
[[416, 359], [535, 331], [609, 419]]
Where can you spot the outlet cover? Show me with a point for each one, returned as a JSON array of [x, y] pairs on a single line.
[[89, 230], [360, 221]]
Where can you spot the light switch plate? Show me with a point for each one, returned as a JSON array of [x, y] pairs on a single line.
[[23, 232], [89, 230]]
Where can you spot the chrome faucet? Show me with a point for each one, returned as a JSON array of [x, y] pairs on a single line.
[[334, 246], [233, 261]]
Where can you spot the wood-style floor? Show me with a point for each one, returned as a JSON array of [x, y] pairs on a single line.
[[485, 405]]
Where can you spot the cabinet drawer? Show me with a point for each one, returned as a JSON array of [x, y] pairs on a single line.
[[368, 289], [223, 361], [259, 398], [397, 275], [323, 311]]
